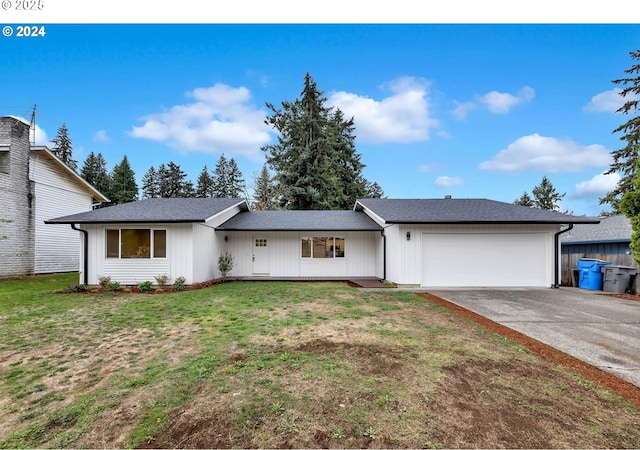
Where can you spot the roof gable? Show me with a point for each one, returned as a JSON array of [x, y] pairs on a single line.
[[157, 210], [44, 151], [450, 210]]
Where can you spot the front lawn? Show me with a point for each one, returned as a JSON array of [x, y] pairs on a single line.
[[272, 365]]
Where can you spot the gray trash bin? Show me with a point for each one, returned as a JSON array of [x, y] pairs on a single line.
[[617, 279]]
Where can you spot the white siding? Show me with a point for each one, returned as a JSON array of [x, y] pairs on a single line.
[[57, 247], [285, 260], [207, 243], [404, 258], [179, 260]]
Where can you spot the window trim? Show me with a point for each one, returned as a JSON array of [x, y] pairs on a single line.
[[152, 236], [310, 239]]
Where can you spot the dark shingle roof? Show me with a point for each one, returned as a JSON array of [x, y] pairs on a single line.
[[155, 210], [610, 229], [449, 210], [301, 221]]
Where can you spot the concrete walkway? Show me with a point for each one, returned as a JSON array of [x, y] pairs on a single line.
[[598, 329]]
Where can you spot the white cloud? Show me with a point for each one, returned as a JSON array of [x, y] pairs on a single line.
[[220, 119], [401, 117], [495, 102], [40, 134], [445, 181], [101, 136], [607, 101], [598, 186], [547, 154]]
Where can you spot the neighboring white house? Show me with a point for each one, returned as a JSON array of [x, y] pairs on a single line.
[[36, 186], [417, 242]]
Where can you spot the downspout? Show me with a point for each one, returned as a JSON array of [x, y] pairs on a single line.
[[85, 247], [557, 254], [384, 254]]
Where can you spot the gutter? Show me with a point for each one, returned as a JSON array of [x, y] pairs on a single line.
[[556, 253], [85, 247]]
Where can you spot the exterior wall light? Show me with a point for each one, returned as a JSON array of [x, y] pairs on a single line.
[[408, 235]]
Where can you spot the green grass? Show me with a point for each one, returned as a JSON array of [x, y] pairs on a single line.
[[270, 364]]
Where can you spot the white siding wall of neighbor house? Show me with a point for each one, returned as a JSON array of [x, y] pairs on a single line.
[[471, 255], [285, 258], [57, 247], [179, 260]]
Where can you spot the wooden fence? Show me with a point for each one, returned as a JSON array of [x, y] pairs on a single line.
[[569, 263]]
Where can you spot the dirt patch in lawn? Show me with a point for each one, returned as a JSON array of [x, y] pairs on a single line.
[[617, 385]]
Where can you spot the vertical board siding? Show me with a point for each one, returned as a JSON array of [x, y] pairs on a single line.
[[404, 258], [205, 258], [179, 260], [285, 258]]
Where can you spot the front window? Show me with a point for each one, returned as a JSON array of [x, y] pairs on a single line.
[[130, 243], [322, 247]]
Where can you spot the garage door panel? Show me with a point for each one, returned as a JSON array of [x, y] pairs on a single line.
[[484, 259]]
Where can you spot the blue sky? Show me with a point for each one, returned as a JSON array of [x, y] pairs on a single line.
[[470, 110]]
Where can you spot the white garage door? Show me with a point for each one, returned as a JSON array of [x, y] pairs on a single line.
[[493, 260]]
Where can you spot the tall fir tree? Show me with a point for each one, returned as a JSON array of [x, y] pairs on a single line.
[[525, 200], [150, 185], [314, 159], [237, 186], [630, 207], [124, 188], [62, 147], [625, 159], [221, 178], [264, 193], [204, 186], [163, 181], [94, 171], [545, 196], [373, 190], [176, 180]]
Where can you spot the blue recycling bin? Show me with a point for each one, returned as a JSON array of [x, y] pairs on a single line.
[[591, 273]]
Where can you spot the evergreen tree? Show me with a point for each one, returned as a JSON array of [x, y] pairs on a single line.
[[94, 171], [315, 162], [123, 183], [204, 186], [188, 190], [236, 186], [625, 159], [164, 190], [630, 207], [175, 181], [63, 148], [373, 190], [264, 193], [545, 196], [221, 178], [525, 200], [150, 185]]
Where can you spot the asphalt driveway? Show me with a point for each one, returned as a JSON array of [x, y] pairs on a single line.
[[598, 329]]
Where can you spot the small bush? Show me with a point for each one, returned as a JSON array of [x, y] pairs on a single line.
[[162, 279], [77, 288], [145, 286], [113, 286], [178, 284], [225, 263], [104, 281]]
